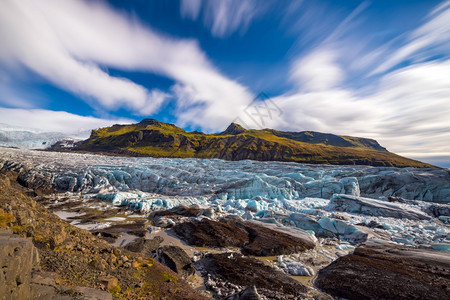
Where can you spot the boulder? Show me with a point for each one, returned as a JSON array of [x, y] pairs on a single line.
[[144, 246], [176, 259], [372, 207], [384, 270], [108, 282], [269, 239]]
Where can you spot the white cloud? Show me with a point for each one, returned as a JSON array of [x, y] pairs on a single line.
[[317, 71], [54, 121], [223, 17], [67, 41]]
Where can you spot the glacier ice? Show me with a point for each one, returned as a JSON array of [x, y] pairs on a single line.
[[28, 138], [373, 207], [292, 194], [229, 180]]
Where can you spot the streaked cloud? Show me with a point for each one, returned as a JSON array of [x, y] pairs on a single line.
[[406, 109], [224, 17], [55, 121], [70, 42], [434, 33]]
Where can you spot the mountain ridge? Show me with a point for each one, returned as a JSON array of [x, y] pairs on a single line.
[[151, 137]]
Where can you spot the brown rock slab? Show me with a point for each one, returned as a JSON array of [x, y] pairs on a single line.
[[255, 238], [382, 270]]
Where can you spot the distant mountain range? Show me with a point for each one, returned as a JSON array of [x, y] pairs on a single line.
[[153, 138]]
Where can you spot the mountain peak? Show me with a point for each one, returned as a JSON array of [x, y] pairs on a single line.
[[149, 122], [234, 129]]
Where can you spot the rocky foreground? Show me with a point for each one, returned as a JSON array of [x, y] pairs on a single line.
[[44, 257]]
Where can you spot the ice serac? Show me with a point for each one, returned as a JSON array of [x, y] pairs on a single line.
[[372, 207]]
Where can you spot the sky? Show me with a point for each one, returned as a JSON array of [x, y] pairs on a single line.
[[376, 69]]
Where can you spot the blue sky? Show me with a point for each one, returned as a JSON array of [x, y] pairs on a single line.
[[378, 69]]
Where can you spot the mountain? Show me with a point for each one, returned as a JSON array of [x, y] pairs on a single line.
[[153, 138]]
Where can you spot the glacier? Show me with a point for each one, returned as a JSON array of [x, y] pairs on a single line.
[[28, 138], [351, 203]]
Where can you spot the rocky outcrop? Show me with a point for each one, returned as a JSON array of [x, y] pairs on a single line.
[[254, 238], [234, 129], [21, 276], [73, 262], [372, 207], [382, 270], [176, 259], [18, 257]]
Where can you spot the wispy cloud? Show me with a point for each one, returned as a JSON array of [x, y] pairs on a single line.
[[66, 42], [223, 17], [420, 43], [55, 121]]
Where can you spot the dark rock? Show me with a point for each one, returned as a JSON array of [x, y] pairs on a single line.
[[238, 270], [437, 210], [113, 232], [145, 246], [268, 239], [249, 293], [382, 270], [255, 238], [168, 218], [208, 233], [176, 259]]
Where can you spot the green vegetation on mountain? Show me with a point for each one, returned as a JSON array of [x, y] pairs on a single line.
[[153, 138]]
